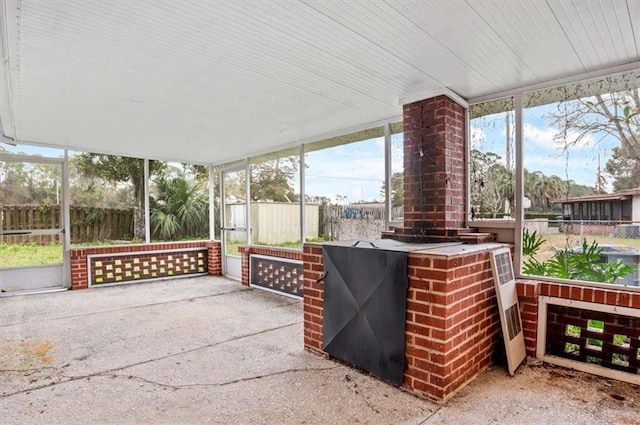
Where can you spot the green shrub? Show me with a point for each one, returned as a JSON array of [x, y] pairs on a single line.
[[585, 264]]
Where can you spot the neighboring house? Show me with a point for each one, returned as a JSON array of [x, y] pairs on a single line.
[[619, 206]]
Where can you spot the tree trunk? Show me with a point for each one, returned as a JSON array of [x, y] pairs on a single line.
[[139, 231], [137, 181]]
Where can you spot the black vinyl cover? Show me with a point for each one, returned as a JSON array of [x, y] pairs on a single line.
[[365, 302]]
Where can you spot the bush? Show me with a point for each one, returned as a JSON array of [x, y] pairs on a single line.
[[585, 264]]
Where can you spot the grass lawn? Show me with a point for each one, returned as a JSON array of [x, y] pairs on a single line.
[[556, 241], [29, 254], [232, 246]]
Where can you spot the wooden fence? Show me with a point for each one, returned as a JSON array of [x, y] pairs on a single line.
[[87, 224]]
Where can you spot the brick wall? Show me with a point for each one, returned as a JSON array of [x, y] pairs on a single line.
[[246, 252], [530, 289], [434, 166], [452, 318], [79, 257]]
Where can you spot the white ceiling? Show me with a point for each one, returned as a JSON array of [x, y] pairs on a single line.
[[214, 81]]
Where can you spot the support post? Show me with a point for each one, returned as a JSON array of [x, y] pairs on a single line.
[[66, 220], [247, 210], [147, 214], [387, 175], [212, 206], [303, 203], [519, 192]]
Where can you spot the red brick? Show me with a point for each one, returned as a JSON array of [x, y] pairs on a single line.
[[587, 294], [611, 297], [576, 293]]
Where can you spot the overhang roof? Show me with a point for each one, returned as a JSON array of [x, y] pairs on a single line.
[[210, 82], [621, 195]]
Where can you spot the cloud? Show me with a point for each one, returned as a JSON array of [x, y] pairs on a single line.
[[353, 171], [581, 170], [551, 138]]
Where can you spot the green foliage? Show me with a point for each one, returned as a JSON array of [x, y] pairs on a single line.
[[624, 169], [527, 216], [542, 190], [397, 189], [552, 217], [29, 183], [179, 209], [585, 264], [272, 180], [93, 216], [119, 169], [493, 184], [531, 242]]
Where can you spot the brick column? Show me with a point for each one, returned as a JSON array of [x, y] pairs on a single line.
[[528, 292], [214, 258], [434, 167], [452, 322], [79, 276], [313, 304], [245, 252]]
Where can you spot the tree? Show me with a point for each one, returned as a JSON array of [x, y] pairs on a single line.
[[500, 189], [397, 189], [616, 115], [492, 184], [624, 170], [317, 199], [271, 180], [29, 183], [551, 189], [118, 169], [179, 209]]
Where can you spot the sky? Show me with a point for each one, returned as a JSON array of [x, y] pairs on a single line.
[[541, 152], [355, 171]]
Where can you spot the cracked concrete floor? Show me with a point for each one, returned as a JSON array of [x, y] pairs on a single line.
[[207, 350], [200, 350]]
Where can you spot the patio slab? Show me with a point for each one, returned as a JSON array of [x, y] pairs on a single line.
[[207, 350]]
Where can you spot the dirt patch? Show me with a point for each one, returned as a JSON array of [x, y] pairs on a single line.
[[25, 356], [584, 386]]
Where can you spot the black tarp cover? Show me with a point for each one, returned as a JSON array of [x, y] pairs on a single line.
[[365, 299]]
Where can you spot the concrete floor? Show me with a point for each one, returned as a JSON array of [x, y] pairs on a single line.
[[207, 350]]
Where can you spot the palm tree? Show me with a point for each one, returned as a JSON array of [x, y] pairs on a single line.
[[553, 189], [179, 209], [500, 189], [543, 190], [533, 188]]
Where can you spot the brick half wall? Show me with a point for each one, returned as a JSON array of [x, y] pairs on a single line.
[[246, 252], [80, 258], [530, 289]]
